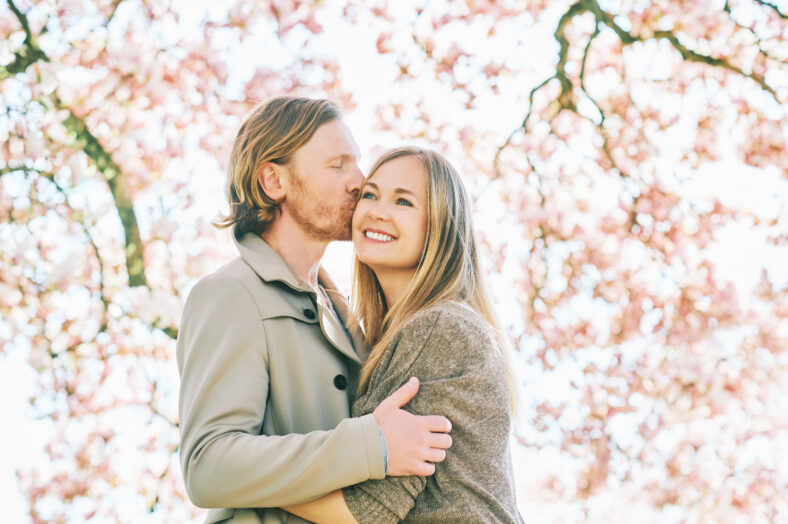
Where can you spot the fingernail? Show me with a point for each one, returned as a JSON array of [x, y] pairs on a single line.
[[412, 380]]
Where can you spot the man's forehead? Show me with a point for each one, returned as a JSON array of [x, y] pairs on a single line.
[[335, 139]]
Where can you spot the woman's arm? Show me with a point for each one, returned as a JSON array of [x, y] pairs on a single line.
[[328, 509], [452, 352], [442, 350]]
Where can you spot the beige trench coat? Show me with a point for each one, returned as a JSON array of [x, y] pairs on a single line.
[[267, 379]]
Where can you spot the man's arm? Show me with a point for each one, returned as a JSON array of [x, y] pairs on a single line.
[[332, 508], [222, 359], [223, 363]]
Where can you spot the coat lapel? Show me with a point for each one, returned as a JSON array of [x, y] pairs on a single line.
[[270, 266], [346, 328]]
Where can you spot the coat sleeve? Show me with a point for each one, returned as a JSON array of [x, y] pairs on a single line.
[[441, 351], [222, 358]]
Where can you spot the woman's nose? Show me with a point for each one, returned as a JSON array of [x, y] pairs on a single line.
[[379, 211]]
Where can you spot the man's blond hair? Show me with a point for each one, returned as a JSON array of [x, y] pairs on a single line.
[[273, 132]]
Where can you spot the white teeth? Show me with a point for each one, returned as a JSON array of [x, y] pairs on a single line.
[[378, 236]]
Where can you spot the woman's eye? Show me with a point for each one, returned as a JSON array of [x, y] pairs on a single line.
[[367, 195], [403, 202]]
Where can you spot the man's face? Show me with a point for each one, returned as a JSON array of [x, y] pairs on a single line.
[[323, 182]]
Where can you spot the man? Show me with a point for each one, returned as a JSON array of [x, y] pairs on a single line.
[[267, 364]]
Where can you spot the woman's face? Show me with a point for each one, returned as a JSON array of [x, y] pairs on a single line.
[[390, 222]]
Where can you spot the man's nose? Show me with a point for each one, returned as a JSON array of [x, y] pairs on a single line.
[[356, 180]]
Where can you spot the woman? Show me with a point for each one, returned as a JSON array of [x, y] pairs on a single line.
[[420, 296]]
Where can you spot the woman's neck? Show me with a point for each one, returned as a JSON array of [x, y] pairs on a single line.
[[394, 283]]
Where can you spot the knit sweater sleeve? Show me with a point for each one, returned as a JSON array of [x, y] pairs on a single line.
[[441, 348]]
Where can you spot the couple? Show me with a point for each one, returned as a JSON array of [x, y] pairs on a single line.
[[289, 412]]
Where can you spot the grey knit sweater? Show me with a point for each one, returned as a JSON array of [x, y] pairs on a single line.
[[463, 377]]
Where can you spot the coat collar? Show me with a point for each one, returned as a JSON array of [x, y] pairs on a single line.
[[271, 267], [267, 263]]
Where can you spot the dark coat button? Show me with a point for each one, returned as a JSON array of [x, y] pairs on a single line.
[[308, 313], [340, 382]]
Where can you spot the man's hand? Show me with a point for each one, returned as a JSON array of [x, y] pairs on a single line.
[[414, 442]]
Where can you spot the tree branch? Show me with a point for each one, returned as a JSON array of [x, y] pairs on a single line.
[[112, 173], [686, 53], [167, 330], [601, 124], [84, 139], [773, 6], [10, 169], [758, 40], [692, 56], [541, 236], [523, 125], [82, 225], [26, 55], [566, 99], [115, 6], [583, 65], [22, 20]]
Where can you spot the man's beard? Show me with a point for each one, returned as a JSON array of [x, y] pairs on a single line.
[[317, 217]]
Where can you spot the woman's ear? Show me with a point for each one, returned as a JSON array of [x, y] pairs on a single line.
[[269, 176]]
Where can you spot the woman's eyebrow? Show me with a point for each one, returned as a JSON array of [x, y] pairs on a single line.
[[397, 190]]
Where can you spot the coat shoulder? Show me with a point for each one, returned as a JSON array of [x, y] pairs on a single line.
[[235, 271], [272, 299]]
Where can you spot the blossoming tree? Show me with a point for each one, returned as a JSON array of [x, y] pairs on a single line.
[[670, 373], [649, 374]]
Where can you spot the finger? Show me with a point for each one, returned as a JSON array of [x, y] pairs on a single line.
[[438, 440], [436, 455], [425, 469], [436, 423], [403, 395]]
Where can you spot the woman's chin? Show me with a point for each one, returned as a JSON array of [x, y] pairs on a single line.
[[372, 262]]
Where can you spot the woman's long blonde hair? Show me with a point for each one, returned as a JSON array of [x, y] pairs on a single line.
[[448, 270]]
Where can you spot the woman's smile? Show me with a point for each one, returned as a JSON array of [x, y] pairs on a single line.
[[378, 236]]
